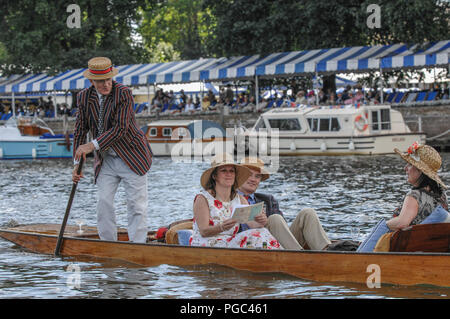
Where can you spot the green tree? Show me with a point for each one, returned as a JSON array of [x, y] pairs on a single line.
[[265, 26], [408, 21], [3, 54], [180, 23], [37, 39], [261, 27], [163, 52]]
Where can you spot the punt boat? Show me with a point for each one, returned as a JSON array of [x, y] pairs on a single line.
[[27, 138], [409, 261], [330, 130]]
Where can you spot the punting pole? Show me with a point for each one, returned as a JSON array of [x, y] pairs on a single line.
[[66, 215]]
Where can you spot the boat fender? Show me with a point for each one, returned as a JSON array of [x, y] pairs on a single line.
[[351, 146], [361, 123], [323, 147], [293, 147], [33, 152]]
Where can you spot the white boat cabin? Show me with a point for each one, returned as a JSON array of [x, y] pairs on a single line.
[[164, 135], [326, 121], [374, 129]]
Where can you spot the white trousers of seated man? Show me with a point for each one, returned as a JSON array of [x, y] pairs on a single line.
[[305, 231], [114, 171]]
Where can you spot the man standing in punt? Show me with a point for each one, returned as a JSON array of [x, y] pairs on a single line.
[[121, 150]]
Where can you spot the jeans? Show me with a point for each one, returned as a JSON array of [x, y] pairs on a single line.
[[370, 242]]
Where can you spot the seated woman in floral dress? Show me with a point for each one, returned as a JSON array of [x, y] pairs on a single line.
[[213, 206]]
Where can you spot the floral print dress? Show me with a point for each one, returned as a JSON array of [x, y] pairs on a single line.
[[220, 211], [427, 203]]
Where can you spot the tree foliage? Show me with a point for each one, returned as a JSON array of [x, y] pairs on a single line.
[[410, 21], [181, 24], [37, 38], [278, 26], [267, 26]]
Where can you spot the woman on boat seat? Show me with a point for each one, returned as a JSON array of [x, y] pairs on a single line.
[[213, 206], [425, 203]]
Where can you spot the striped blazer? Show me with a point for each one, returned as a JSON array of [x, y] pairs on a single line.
[[120, 133]]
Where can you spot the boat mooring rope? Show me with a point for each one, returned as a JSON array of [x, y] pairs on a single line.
[[437, 136]]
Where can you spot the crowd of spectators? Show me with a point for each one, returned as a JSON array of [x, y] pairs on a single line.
[[34, 107], [170, 103], [181, 103]]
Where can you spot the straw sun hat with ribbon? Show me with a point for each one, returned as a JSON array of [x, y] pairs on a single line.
[[425, 158], [242, 172], [100, 68], [256, 164]]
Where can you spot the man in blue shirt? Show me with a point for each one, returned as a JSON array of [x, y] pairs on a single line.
[[305, 232]]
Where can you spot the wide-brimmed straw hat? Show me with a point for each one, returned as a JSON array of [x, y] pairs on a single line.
[[100, 68], [425, 158], [242, 172], [256, 164]]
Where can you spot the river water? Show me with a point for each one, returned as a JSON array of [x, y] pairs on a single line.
[[349, 193]]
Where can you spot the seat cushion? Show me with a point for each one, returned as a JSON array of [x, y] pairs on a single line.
[[183, 236]]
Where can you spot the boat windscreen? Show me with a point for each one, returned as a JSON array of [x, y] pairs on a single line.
[[285, 124]]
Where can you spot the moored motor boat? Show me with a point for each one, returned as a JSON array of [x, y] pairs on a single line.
[[330, 130], [32, 139], [186, 138], [423, 260]]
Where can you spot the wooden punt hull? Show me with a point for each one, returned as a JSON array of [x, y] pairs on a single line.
[[326, 266]]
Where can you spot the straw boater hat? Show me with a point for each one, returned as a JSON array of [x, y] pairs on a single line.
[[100, 68], [256, 164], [242, 172], [425, 158]]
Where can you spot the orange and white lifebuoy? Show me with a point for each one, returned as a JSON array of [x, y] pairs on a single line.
[[361, 123]]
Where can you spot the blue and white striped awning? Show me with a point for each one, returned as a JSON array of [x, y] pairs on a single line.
[[337, 60], [170, 72], [355, 59]]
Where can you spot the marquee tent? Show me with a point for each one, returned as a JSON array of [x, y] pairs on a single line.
[[320, 61]]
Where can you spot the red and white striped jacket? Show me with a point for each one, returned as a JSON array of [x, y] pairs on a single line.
[[120, 133]]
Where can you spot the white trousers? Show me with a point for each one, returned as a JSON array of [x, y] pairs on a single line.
[[114, 171]]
